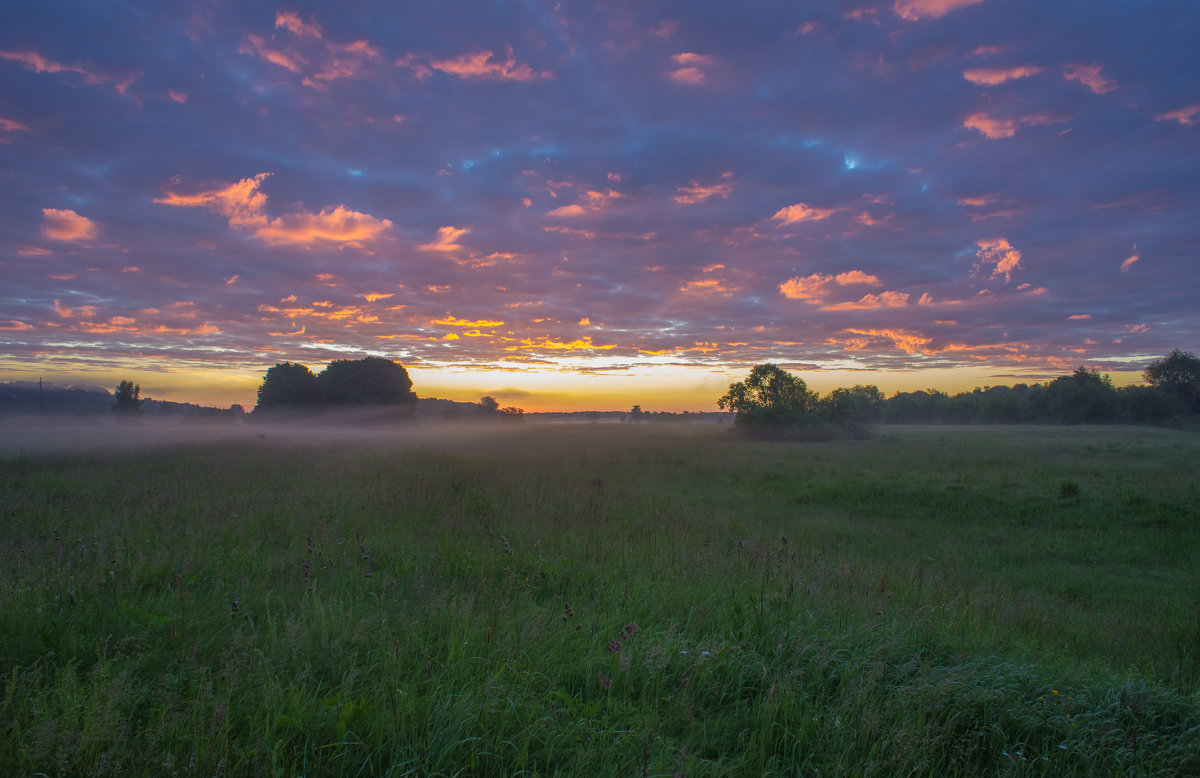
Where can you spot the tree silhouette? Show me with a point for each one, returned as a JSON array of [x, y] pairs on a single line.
[[287, 385], [127, 399], [1178, 374]]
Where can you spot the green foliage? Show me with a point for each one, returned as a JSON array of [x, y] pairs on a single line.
[[772, 404], [768, 389], [367, 381], [1179, 375], [345, 383], [127, 399], [606, 600], [287, 385]]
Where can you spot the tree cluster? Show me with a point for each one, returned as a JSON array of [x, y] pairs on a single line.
[[771, 403], [127, 399], [490, 408], [345, 383]]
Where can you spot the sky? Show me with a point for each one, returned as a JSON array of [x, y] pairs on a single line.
[[586, 205]]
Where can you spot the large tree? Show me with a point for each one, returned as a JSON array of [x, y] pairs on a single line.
[[1178, 374], [127, 399], [287, 385], [768, 388], [368, 381]]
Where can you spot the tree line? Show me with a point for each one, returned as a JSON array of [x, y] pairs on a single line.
[[772, 403]]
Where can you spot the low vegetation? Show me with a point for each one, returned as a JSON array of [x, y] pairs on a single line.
[[606, 600]]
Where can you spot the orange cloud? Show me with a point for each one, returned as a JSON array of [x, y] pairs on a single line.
[[33, 251], [994, 76], [452, 321], [591, 201], [82, 312], [257, 46], [866, 218], [1089, 76], [66, 225], [707, 286], [905, 340], [800, 212], [480, 65], [1079, 316], [334, 225], [244, 206], [991, 128], [179, 97], [913, 10], [445, 240], [1128, 263], [1185, 116], [881, 300], [998, 252], [291, 21], [810, 287], [583, 344], [691, 68], [372, 297], [695, 193]]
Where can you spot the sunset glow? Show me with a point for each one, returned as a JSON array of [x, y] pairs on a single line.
[[584, 206]]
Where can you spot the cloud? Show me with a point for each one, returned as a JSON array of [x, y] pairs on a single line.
[[10, 125], [258, 46], [666, 28], [991, 127], [590, 201], [1079, 316], [691, 68], [15, 326], [291, 21], [1128, 263], [39, 64], [999, 253], [801, 212], [245, 208], [869, 301], [66, 225], [695, 193], [1185, 116], [913, 10], [482, 65], [453, 321], [1089, 76], [445, 240], [810, 287], [905, 340], [994, 76]]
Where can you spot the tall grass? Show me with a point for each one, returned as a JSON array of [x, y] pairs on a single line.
[[607, 600]]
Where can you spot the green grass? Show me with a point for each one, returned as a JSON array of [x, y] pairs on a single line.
[[933, 601]]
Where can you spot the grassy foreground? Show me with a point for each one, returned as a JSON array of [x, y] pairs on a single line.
[[606, 600]]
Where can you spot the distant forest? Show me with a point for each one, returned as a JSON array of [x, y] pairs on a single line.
[[1170, 396]]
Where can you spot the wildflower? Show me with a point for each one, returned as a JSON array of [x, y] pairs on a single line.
[[567, 612], [614, 646], [631, 629], [605, 681]]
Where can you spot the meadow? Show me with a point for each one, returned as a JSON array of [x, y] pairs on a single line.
[[604, 600]]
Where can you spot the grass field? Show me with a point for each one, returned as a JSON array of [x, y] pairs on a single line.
[[616, 600]]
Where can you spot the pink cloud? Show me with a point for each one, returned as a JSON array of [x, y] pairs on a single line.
[[691, 68], [39, 64], [801, 212], [179, 97], [999, 253], [990, 127], [666, 28], [445, 240], [245, 208], [481, 65], [257, 46], [1185, 116], [1128, 263], [1089, 76], [913, 10], [14, 325], [11, 125], [291, 21], [696, 193], [66, 225], [808, 288], [1079, 316], [868, 301], [994, 76]]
